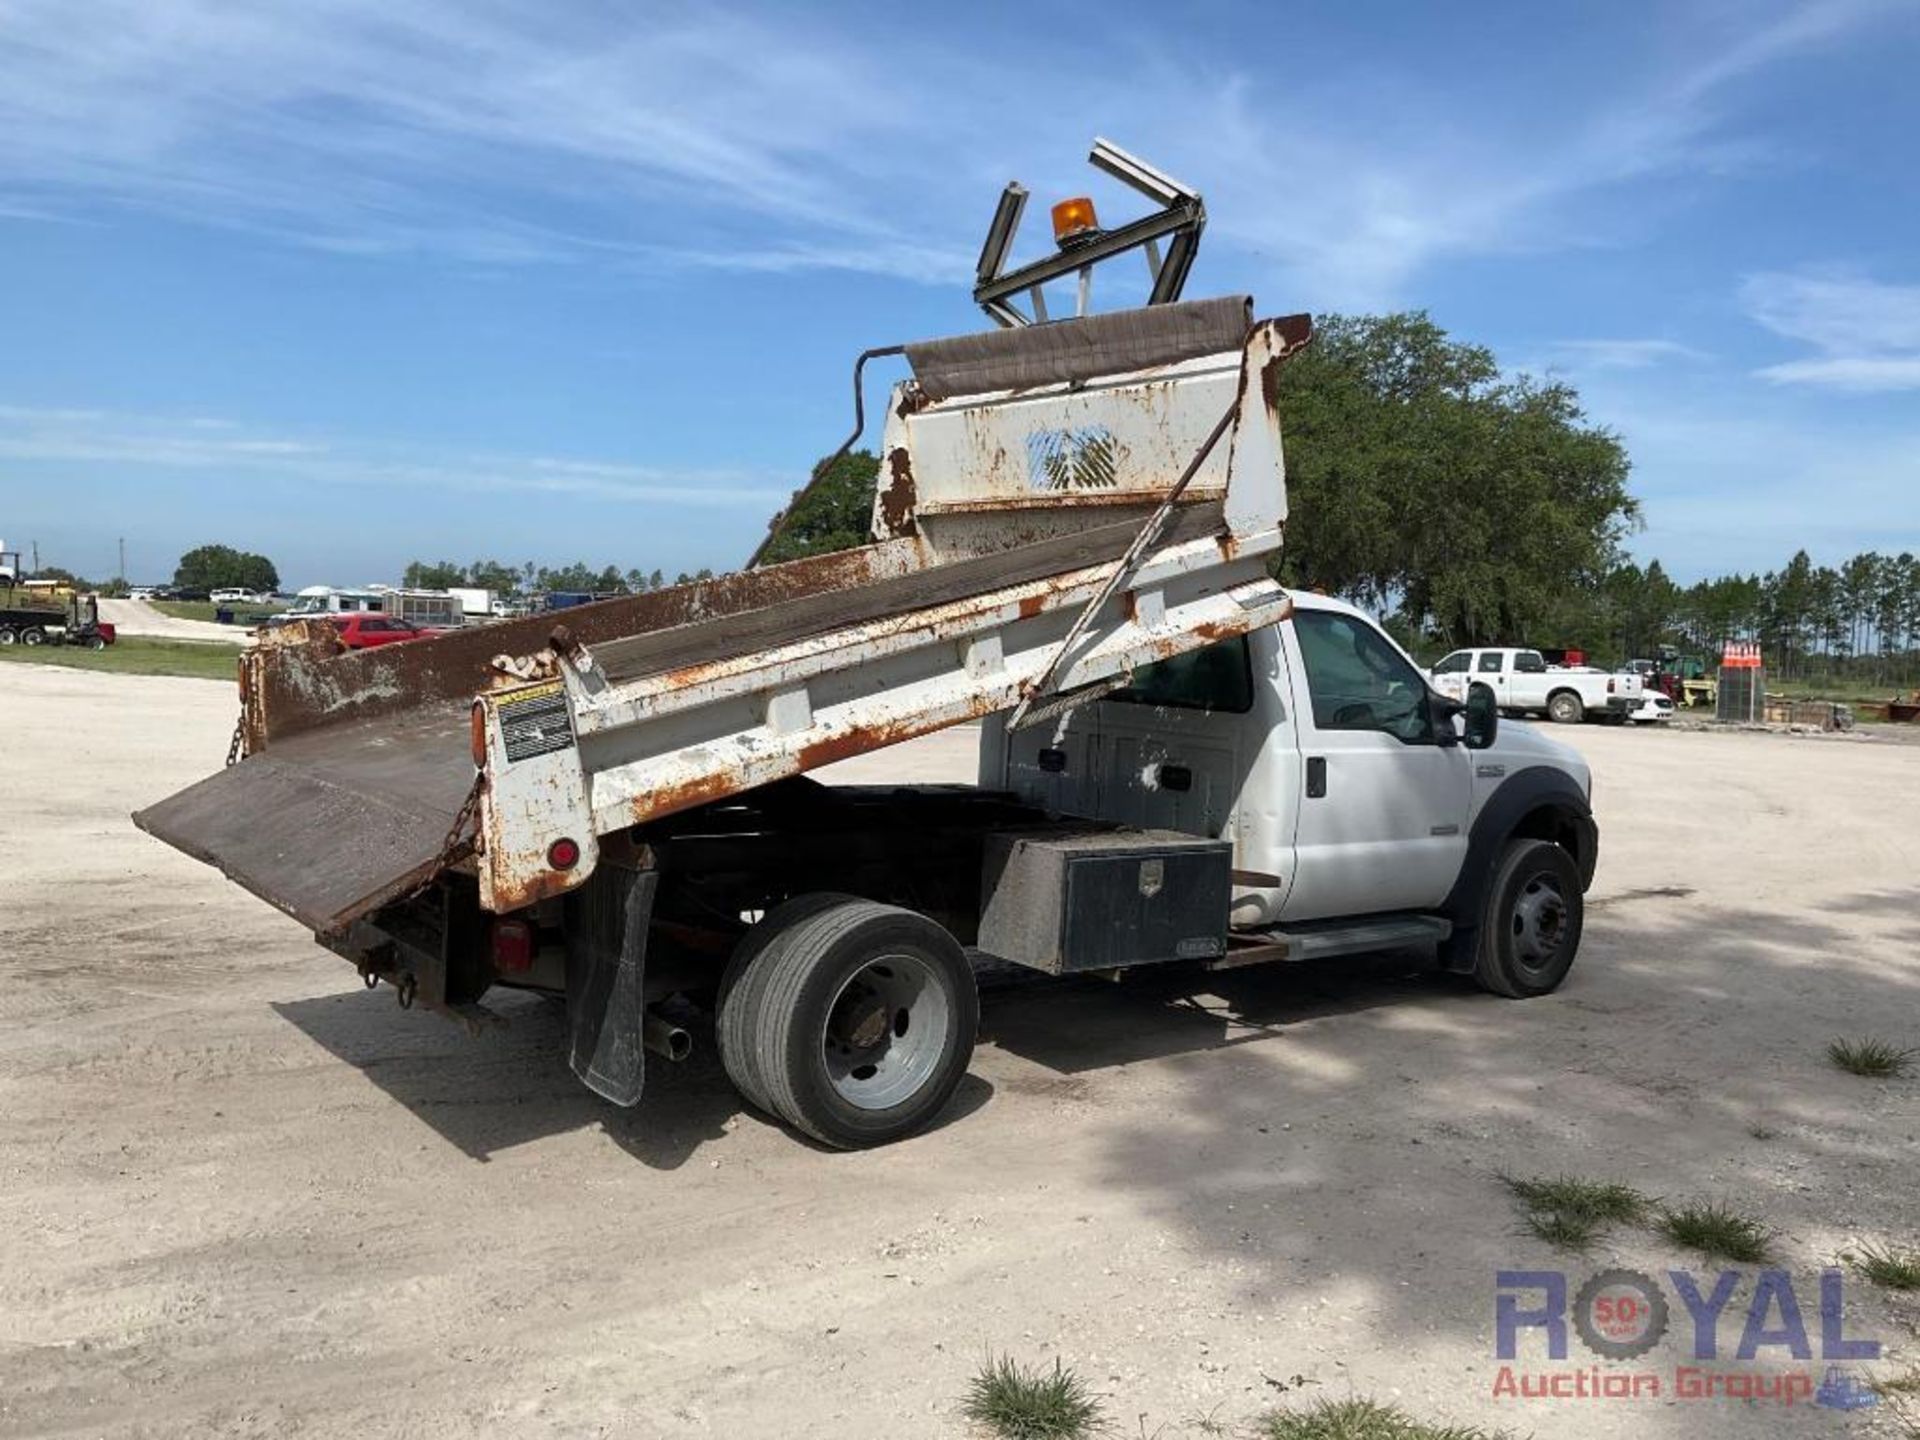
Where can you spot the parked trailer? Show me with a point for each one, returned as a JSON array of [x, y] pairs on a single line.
[[77, 624], [1180, 762]]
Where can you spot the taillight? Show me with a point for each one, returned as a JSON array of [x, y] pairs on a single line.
[[512, 947], [563, 854], [1609, 685], [477, 735]]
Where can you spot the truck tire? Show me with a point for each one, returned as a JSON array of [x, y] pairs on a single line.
[[33, 635], [865, 1024], [7, 637], [1531, 930], [736, 1011], [1565, 707]]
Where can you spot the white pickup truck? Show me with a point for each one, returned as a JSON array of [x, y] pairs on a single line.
[[1521, 682], [1180, 762]]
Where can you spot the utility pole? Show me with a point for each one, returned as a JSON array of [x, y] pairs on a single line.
[[36, 556], [123, 559]]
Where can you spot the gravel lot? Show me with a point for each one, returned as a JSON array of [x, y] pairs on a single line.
[[241, 1196], [137, 617]]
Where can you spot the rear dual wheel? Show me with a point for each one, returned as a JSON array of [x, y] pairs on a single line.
[[850, 1020]]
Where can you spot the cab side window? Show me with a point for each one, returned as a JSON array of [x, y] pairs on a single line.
[[1454, 664], [1219, 677], [1530, 662], [1358, 681], [1490, 662]]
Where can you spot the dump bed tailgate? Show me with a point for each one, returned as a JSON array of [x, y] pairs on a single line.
[[332, 824]]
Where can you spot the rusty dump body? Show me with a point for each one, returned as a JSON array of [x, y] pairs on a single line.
[[1018, 471]]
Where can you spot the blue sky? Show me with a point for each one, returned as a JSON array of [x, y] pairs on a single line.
[[351, 282]]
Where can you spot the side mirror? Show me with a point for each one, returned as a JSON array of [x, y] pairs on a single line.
[[1483, 718]]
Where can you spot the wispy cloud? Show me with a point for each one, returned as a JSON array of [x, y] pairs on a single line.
[[500, 133], [1867, 333], [1623, 354], [1363, 208], [226, 454], [517, 131]]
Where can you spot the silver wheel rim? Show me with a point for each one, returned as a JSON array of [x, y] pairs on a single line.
[[885, 1032], [1539, 923]]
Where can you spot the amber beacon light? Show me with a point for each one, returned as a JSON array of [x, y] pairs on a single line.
[[1074, 218]]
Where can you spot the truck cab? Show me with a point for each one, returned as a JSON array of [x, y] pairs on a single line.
[[1318, 750]]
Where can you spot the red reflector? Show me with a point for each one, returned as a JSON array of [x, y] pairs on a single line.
[[563, 854], [512, 946], [1609, 685]]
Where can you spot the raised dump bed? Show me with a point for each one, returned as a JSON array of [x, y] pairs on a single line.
[[1055, 506]]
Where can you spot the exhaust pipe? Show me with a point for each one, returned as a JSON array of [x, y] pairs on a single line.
[[665, 1038]]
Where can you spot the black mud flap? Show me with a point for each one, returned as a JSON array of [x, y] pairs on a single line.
[[607, 928]]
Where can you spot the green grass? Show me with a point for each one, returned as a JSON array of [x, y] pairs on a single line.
[[1360, 1420], [133, 655], [1605, 1200], [1875, 1059], [1017, 1403], [1888, 1267], [185, 609], [1847, 692], [1569, 1212], [245, 612], [1563, 1228], [1717, 1231]]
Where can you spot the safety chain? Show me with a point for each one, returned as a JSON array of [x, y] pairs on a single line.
[[239, 741], [458, 844]]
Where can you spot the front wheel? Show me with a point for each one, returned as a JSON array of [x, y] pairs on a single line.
[[1531, 930], [863, 1021], [1564, 707]]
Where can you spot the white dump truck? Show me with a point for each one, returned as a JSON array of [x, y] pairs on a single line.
[[1180, 762]]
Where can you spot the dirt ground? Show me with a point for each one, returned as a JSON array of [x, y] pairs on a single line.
[[137, 617], [239, 1195]]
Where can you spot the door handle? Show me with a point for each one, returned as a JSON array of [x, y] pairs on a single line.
[[1316, 776]]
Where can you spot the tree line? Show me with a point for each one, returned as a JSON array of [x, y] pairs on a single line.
[[205, 567], [530, 578], [1856, 621]]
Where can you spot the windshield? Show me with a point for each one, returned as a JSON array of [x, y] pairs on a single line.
[[310, 605]]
